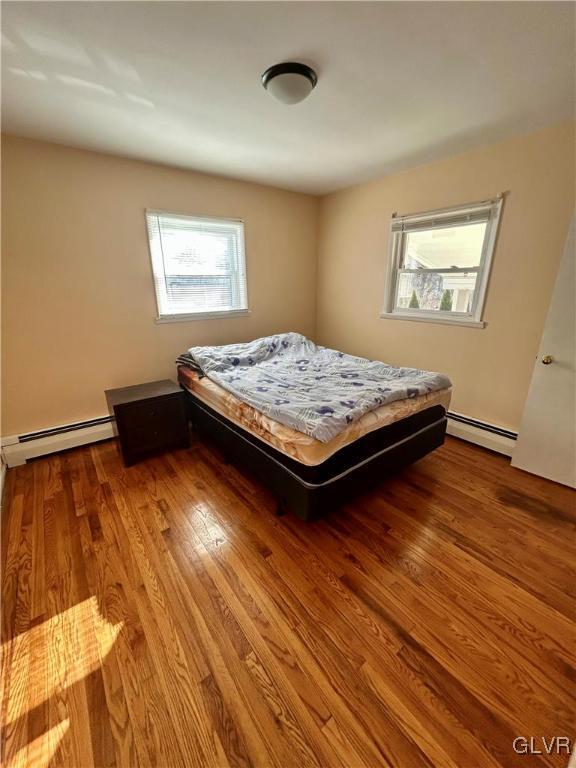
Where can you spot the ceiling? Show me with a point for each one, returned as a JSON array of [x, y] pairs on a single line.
[[400, 83]]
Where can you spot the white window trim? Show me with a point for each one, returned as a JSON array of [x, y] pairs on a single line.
[[185, 318], [182, 317], [472, 319]]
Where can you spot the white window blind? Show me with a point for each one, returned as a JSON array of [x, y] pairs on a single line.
[[440, 263], [198, 265]]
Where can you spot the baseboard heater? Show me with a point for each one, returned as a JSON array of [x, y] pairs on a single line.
[[480, 432], [66, 428], [19, 448]]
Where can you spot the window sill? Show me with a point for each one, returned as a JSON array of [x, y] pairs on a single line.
[[202, 316], [465, 323]]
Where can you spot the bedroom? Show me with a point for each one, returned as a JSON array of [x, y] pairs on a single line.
[[195, 572]]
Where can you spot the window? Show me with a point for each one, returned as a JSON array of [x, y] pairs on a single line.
[[440, 262], [198, 266]]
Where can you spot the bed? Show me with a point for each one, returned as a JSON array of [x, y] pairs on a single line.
[[327, 460]]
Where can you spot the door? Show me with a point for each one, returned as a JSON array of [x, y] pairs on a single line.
[[547, 440]]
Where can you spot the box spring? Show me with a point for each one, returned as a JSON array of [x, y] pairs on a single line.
[[311, 491]]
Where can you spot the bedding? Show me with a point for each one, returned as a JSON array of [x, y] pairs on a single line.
[[303, 448], [314, 390]]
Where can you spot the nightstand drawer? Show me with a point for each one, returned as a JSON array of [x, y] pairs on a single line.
[[151, 436], [150, 413]]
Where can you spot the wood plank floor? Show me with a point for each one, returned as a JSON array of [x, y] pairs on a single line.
[[162, 616]]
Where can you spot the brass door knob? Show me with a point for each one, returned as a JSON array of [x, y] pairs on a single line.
[[547, 359]]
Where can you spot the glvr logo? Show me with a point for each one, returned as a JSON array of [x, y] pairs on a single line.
[[540, 745]]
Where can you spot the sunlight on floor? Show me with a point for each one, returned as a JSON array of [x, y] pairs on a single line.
[[39, 753], [40, 668]]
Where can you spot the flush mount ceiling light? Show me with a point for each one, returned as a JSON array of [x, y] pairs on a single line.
[[289, 82]]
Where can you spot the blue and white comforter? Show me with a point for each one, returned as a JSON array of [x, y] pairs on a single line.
[[315, 390]]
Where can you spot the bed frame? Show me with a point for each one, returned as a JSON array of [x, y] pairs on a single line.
[[313, 491]]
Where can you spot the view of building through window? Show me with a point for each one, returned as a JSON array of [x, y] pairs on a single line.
[[440, 267], [198, 264]]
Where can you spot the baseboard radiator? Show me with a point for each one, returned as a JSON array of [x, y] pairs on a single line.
[[480, 432], [18, 449]]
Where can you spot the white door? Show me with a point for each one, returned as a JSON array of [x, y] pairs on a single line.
[[547, 440]]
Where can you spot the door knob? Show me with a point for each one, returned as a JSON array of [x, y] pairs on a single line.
[[547, 359]]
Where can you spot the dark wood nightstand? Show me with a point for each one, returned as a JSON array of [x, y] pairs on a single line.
[[149, 417]]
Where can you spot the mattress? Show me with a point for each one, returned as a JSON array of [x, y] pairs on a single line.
[[296, 445]]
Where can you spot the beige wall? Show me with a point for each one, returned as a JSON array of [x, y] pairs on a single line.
[[491, 367], [78, 303]]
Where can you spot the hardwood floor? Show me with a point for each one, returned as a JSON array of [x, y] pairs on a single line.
[[163, 616]]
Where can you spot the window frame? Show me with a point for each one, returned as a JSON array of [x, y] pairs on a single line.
[[453, 216], [182, 317]]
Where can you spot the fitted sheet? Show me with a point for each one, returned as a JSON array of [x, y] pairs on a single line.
[[297, 445]]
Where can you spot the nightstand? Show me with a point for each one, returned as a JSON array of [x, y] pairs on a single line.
[[149, 418]]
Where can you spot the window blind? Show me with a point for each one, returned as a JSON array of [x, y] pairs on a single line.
[[198, 264], [473, 214]]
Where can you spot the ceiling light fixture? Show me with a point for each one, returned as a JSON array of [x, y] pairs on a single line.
[[289, 82]]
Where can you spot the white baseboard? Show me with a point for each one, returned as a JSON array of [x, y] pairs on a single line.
[[17, 452], [483, 437]]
